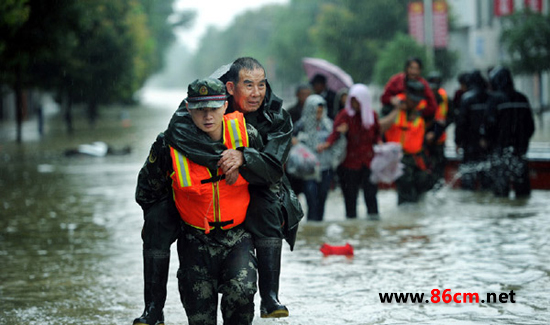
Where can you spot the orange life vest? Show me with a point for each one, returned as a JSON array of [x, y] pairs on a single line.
[[204, 200], [410, 134], [441, 112]]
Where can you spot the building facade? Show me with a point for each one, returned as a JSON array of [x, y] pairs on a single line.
[[475, 36]]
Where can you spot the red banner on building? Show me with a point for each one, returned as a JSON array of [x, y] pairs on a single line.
[[534, 5], [440, 24], [416, 21], [504, 7]]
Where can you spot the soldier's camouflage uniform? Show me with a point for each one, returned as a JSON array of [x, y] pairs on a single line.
[[220, 262]]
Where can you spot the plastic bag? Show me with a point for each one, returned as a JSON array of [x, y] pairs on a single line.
[[386, 165], [302, 162]]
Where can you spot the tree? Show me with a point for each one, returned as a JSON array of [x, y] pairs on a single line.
[[239, 39], [92, 51], [353, 32], [275, 35], [395, 54], [26, 40], [13, 14], [292, 40], [526, 37], [161, 21]]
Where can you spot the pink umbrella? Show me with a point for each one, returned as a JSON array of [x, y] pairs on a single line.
[[336, 77]]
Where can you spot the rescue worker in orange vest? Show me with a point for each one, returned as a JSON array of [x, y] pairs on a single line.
[[216, 252], [405, 125], [274, 211], [435, 129]]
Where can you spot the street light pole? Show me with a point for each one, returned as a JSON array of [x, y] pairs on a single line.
[[428, 28]]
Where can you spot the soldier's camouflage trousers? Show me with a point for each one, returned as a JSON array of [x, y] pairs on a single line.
[[220, 262]]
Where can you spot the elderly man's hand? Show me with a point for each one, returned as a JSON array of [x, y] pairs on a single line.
[[229, 163], [231, 177]]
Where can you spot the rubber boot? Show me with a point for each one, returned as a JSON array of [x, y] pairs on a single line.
[[155, 271], [268, 251]]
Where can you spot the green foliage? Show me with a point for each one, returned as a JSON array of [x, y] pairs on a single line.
[[348, 33], [291, 40], [32, 37], [222, 47], [161, 21], [93, 50], [276, 35], [13, 14], [526, 37], [445, 62], [353, 32]]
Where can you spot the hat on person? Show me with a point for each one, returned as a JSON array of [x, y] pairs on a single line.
[[415, 90], [208, 92]]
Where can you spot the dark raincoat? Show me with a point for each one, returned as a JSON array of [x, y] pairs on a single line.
[[272, 202], [473, 107], [509, 119]]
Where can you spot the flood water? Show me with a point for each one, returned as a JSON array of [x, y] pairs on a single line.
[[71, 249]]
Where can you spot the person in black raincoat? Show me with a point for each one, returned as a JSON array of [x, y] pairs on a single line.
[[274, 210], [509, 125], [469, 134]]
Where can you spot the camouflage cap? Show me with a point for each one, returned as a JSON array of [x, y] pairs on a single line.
[[206, 92], [415, 90]]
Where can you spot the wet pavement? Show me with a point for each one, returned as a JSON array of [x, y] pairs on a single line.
[[71, 248]]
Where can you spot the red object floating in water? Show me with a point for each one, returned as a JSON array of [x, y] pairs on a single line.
[[346, 250]]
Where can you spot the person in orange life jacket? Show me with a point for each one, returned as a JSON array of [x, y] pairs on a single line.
[[274, 211], [176, 192], [405, 125], [358, 122], [435, 128]]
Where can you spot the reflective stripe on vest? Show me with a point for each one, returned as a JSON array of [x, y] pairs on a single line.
[[441, 112], [235, 131], [205, 201], [410, 134]]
